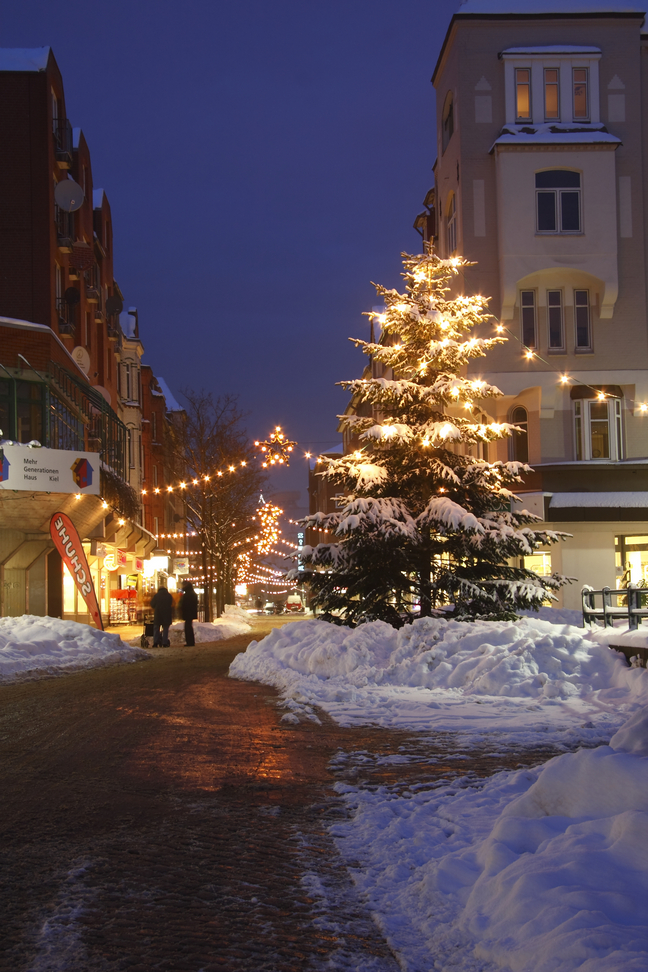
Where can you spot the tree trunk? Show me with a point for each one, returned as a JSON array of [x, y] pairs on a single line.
[[425, 581]]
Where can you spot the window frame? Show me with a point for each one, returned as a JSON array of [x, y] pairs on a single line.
[[516, 438], [545, 85], [447, 121], [534, 307], [558, 192], [451, 224], [560, 307], [587, 116], [589, 347], [583, 420], [517, 86]]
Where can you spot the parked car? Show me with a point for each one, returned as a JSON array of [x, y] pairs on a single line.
[[294, 604], [269, 607]]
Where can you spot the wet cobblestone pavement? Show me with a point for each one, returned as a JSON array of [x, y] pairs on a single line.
[[160, 817]]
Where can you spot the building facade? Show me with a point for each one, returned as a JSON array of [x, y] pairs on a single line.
[[540, 179], [70, 361]]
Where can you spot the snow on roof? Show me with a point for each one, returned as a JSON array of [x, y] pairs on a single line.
[[24, 58], [128, 325], [552, 49], [550, 7], [552, 134], [630, 500], [97, 198], [171, 403]]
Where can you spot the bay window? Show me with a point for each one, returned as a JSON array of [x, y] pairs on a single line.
[[558, 204]]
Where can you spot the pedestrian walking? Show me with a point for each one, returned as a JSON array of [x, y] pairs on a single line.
[[189, 611], [162, 604]]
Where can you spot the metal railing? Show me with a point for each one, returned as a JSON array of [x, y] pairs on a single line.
[[634, 610], [66, 316], [63, 143], [64, 226]]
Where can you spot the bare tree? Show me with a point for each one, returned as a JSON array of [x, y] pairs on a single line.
[[215, 450]]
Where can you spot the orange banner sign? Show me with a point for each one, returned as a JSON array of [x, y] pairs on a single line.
[[67, 542]]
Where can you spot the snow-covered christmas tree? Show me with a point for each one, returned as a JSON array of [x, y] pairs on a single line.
[[425, 523]]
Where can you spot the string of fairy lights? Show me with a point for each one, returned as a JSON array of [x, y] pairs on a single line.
[[276, 451], [531, 354]]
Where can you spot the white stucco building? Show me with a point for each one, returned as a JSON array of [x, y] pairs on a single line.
[[541, 179]]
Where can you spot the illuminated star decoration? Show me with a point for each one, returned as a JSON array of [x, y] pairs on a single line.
[[269, 516], [276, 449]]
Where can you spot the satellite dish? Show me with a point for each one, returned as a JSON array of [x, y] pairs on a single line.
[[82, 358], [72, 296], [69, 195], [114, 305]]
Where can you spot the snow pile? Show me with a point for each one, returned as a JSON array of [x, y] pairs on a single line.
[[33, 645], [534, 871], [232, 612], [439, 673]]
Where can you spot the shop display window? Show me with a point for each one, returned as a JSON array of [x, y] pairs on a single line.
[[631, 557]]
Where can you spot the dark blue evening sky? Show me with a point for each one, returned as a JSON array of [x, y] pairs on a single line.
[[264, 162]]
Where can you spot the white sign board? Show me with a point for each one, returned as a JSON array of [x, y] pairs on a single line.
[[49, 470]]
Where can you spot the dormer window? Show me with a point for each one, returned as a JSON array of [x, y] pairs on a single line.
[[581, 99], [551, 95], [523, 94]]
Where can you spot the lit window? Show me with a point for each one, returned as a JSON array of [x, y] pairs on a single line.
[[581, 99], [558, 201], [447, 120], [582, 320], [555, 320], [451, 234], [523, 94], [539, 563], [528, 306], [597, 429], [520, 439], [551, 99]]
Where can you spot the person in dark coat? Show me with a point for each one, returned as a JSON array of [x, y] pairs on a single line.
[[189, 611], [162, 604]]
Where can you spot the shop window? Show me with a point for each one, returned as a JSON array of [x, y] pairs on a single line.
[[6, 425], [528, 315], [29, 411], [520, 439], [447, 120], [539, 562], [523, 94], [451, 225], [558, 202], [551, 94], [631, 556], [555, 320], [581, 94]]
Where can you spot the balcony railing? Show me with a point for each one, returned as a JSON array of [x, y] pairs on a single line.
[[63, 145], [64, 229], [66, 316]]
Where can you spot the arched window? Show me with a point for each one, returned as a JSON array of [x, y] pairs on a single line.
[[451, 224], [447, 120], [520, 439], [558, 202]]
